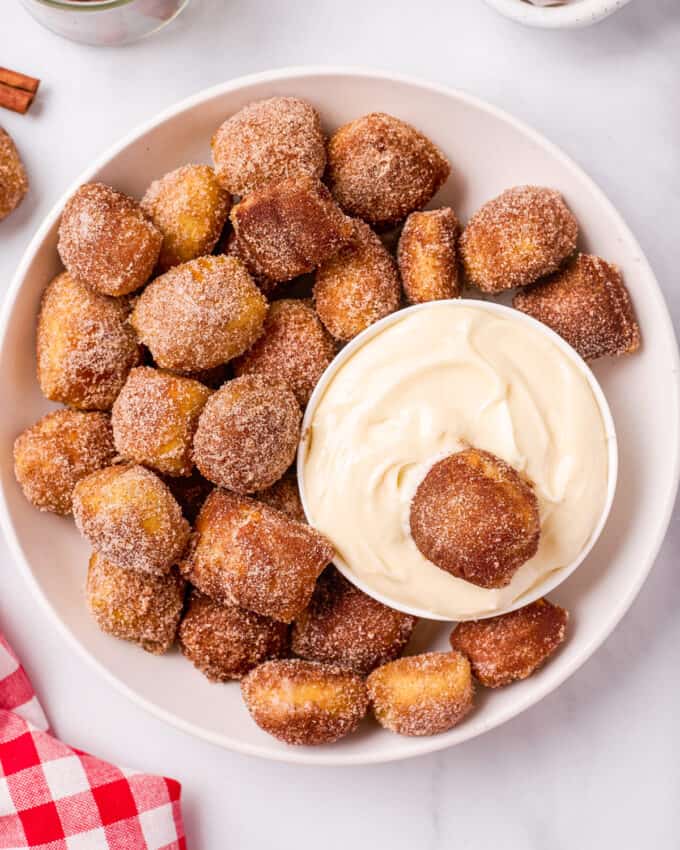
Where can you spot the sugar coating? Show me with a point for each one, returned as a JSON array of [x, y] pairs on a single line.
[[518, 237], [131, 518], [247, 434], [303, 702], [294, 348], [106, 241], [248, 554], [200, 314], [428, 256], [289, 228], [587, 304], [380, 168], [224, 642], [422, 694], [475, 517], [268, 141], [154, 419], [284, 496], [189, 207], [13, 177], [85, 345], [51, 456], [135, 606], [358, 286], [342, 625], [511, 646]]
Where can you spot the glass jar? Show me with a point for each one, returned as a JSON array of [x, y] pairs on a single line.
[[104, 22]]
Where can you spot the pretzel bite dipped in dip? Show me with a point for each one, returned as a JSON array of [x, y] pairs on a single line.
[[512, 646], [358, 286], [247, 434], [200, 314], [224, 641], [523, 234], [131, 518], [380, 169], [135, 606], [428, 256], [341, 625], [303, 702], [289, 228], [422, 694], [474, 516], [52, 456], [189, 207], [268, 141], [85, 346], [248, 554], [154, 419], [294, 348], [106, 242], [587, 304], [13, 177]]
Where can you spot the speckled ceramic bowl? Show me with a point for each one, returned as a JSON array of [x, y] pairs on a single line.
[[575, 13]]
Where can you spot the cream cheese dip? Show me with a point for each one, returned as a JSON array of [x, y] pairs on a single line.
[[434, 380]]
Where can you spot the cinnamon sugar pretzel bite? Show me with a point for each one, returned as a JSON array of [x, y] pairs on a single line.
[[422, 694], [131, 518], [303, 702], [135, 606], [224, 642], [358, 286], [53, 455], [294, 348], [342, 625], [518, 237], [85, 345], [380, 168], [511, 646], [587, 304], [268, 141], [289, 228], [247, 434], [189, 207], [105, 240], [248, 554], [428, 256]]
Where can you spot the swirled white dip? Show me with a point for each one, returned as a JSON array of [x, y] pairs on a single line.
[[435, 381]]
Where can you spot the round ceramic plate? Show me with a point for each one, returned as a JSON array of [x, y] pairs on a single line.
[[489, 151]]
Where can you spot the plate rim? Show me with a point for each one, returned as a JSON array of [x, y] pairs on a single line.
[[550, 683]]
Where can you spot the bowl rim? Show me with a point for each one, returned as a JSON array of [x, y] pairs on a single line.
[[554, 578], [548, 683], [580, 14]]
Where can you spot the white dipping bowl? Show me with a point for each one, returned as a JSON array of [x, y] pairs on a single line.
[[489, 151], [552, 579], [578, 13]]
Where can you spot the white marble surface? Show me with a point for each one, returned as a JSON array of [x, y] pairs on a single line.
[[595, 765]]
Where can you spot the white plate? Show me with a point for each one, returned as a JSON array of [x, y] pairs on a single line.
[[489, 151]]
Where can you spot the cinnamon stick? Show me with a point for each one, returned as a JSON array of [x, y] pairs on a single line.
[[18, 100], [18, 81]]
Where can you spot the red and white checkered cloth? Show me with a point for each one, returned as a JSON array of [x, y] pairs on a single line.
[[53, 797]]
